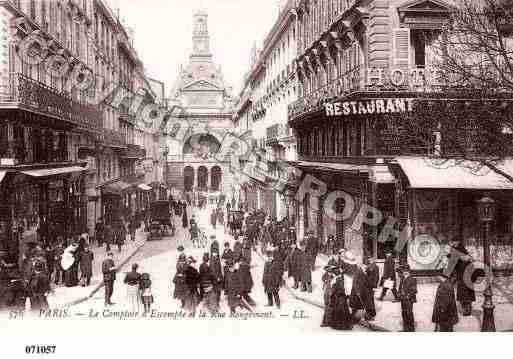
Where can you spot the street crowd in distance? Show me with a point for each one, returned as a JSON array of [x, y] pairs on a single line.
[[350, 288]]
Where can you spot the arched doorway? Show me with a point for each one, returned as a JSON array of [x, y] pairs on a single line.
[[216, 176], [202, 178], [188, 178]]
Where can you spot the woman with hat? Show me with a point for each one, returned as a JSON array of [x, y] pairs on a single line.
[[340, 316], [133, 282], [361, 297], [328, 280]]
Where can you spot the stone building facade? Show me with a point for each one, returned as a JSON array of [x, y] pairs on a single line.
[[67, 157], [206, 102]]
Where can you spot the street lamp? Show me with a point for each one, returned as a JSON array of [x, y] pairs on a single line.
[[486, 210]]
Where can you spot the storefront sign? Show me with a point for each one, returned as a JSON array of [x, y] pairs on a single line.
[[369, 107], [402, 77]]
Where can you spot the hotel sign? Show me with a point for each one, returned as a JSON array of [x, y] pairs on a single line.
[[369, 107], [412, 77]]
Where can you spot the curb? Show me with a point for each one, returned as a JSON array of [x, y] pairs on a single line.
[[101, 284], [317, 304]]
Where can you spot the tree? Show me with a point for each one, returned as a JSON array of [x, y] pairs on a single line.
[[467, 118]]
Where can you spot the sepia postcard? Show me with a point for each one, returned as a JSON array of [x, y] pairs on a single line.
[[292, 166]]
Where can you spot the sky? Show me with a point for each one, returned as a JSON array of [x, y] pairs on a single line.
[[163, 33]]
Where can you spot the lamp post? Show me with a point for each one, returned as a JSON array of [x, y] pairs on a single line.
[[486, 209]]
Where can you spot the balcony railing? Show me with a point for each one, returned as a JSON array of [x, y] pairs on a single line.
[[36, 96], [277, 132], [349, 82], [113, 138], [135, 152]]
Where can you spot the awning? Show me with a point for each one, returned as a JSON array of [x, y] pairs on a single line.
[[452, 174], [48, 172], [144, 187], [328, 166], [115, 188], [381, 174], [2, 175]]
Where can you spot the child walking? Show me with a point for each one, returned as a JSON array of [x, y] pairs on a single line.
[[146, 296]]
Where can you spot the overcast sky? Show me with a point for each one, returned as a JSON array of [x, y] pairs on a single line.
[[163, 33]]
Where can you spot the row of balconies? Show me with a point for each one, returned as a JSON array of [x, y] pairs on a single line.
[[277, 131], [313, 101], [26, 94]]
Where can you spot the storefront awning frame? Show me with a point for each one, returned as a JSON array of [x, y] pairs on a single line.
[[427, 173]]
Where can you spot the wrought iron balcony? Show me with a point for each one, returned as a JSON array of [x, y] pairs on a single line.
[[134, 152], [28, 94], [113, 138], [276, 133], [349, 82]]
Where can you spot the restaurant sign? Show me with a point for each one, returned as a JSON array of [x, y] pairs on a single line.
[[369, 107]]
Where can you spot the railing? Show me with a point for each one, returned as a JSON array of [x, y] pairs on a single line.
[[113, 138], [135, 151], [47, 100], [349, 82]]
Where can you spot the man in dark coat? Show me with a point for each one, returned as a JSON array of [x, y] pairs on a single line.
[[312, 249], [305, 266], [237, 249], [99, 231], [207, 284], [217, 271], [109, 276], [185, 221], [39, 287], [86, 266], [213, 218], [50, 260], [408, 295], [227, 253], [271, 280], [389, 274], [445, 311], [372, 272], [244, 271], [293, 265], [233, 287], [108, 236], [465, 294], [59, 272], [192, 280]]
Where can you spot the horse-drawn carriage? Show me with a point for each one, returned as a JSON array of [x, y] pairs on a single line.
[[160, 220]]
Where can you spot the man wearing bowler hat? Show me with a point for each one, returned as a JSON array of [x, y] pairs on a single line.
[[408, 296]]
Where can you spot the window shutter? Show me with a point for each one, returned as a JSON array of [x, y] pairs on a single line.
[[402, 47]]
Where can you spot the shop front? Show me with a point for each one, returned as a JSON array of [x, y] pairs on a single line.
[[443, 205], [40, 205]]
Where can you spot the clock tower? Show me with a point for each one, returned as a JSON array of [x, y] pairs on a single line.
[[200, 37]]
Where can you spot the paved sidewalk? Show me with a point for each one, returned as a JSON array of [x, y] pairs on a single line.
[[389, 318], [64, 296]]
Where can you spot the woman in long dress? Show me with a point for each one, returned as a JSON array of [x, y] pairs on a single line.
[[341, 317], [133, 282]]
